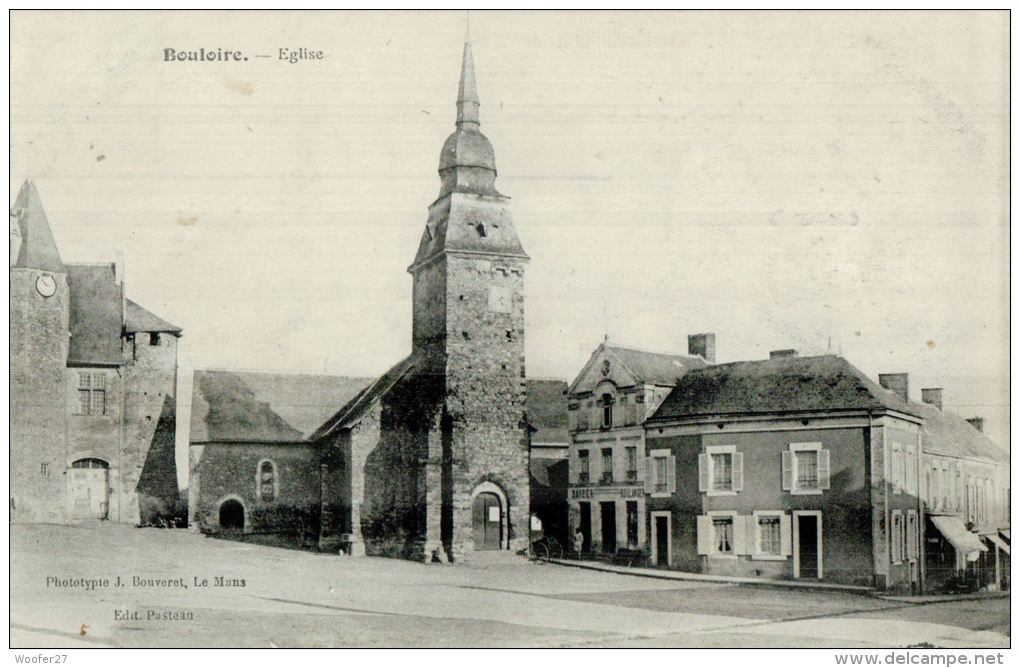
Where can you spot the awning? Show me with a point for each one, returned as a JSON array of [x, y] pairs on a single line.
[[1004, 533], [1003, 545], [953, 529]]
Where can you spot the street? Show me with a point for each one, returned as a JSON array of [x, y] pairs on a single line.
[[194, 591]]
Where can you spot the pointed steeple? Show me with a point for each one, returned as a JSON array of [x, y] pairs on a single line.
[[37, 250], [467, 162], [467, 92]]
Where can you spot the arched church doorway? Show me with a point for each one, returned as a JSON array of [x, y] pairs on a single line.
[[90, 489], [232, 515], [487, 516]]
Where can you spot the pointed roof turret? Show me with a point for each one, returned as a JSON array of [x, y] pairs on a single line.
[[37, 250], [467, 162]]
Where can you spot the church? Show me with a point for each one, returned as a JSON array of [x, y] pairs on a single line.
[[430, 461], [93, 385]]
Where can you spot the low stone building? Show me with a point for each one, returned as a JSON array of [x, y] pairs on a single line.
[[791, 467], [93, 388], [608, 402], [252, 468]]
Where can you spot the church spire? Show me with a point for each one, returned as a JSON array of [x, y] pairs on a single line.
[[467, 93]]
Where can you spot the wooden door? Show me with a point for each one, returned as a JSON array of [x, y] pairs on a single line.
[[90, 484], [487, 520]]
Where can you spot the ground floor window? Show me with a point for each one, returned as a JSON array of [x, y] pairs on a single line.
[[723, 534], [769, 535]]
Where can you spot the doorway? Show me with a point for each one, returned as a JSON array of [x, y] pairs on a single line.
[[660, 538], [487, 521], [608, 512], [90, 489], [584, 508], [807, 544], [231, 515]]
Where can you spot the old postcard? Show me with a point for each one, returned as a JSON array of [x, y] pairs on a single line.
[[510, 329]]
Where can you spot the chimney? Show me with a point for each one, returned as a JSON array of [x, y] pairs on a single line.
[[933, 396], [118, 268], [788, 352], [896, 382], [702, 344], [977, 422]]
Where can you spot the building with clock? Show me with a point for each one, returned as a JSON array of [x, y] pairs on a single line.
[[93, 385]]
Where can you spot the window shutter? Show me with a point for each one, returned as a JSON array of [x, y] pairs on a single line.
[[751, 525], [649, 472], [704, 534], [787, 470], [786, 534], [738, 471], [911, 535], [671, 474], [702, 472], [740, 534], [823, 469]]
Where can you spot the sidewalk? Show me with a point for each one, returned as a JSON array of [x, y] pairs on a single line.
[[698, 577]]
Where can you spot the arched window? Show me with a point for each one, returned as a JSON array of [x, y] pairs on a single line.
[[267, 482], [607, 411]]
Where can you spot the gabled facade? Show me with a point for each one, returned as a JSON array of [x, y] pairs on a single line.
[[93, 388], [608, 402], [787, 468]]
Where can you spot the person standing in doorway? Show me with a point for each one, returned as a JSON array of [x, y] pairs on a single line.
[[578, 541]]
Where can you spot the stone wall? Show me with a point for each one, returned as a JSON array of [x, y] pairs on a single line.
[[485, 392], [228, 470], [38, 437], [150, 470]]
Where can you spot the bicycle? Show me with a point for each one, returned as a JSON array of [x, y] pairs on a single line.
[[546, 548]]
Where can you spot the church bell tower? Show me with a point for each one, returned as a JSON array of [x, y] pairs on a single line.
[[468, 330]]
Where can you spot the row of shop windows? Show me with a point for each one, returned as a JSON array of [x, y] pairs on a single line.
[[607, 524]]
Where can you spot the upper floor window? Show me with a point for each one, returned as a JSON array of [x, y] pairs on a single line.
[[267, 482], [721, 470], [805, 468], [91, 393], [631, 464], [607, 465], [607, 411], [582, 466], [660, 473]]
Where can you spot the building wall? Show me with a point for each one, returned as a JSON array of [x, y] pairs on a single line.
[[485, 439], [618, 490], [845, 506], [150, 400], [229, 470], [38, 436]]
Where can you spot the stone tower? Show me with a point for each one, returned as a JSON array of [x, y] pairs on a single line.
[[468, 333], [39, 330]]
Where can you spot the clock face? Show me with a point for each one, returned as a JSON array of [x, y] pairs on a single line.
[[46, 285]]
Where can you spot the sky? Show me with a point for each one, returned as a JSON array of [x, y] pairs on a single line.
[[824, 181]]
